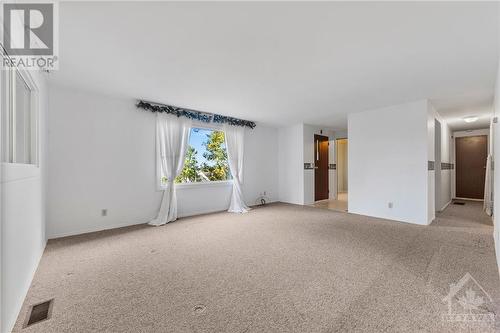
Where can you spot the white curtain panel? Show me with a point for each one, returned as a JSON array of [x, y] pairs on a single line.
[[235, 136], [488, 202], [172, 140]]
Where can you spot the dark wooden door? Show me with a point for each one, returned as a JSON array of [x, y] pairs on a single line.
[[471, 155], [320, 167]]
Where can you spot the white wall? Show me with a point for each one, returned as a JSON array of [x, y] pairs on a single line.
[[446, 175], [445, 179], [437, 159], [291, 164], [23, 220], [102, 156], [431, 180], [461, 134], [496, 170], [388, 157]]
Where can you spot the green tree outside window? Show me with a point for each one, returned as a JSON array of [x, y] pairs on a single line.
[[214, 166]]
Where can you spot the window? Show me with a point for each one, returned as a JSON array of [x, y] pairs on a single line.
[[19, 135], [206, 158]]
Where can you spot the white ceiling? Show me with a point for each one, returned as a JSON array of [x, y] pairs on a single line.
[[284, 63], [455, 109]]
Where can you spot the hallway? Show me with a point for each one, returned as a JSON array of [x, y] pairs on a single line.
[[470, 215]]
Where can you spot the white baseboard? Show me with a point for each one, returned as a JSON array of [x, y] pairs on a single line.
[[128, 224], [470, 199], [445, 206], [91, 229]]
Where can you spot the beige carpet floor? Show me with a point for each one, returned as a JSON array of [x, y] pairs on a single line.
[[279, 268]]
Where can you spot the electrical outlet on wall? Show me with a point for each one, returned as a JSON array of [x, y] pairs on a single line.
[[390, 205], [104, 212]]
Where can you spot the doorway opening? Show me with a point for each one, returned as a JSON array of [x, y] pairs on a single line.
[[321, 191], [338, 202], [341, 151]]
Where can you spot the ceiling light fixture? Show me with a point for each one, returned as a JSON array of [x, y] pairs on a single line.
[[470, 119]]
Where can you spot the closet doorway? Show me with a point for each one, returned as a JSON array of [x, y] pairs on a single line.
[[341, 146], [320, 167]]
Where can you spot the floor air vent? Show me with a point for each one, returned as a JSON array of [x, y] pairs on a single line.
[[39, 312], [199, 309], [461, 203]]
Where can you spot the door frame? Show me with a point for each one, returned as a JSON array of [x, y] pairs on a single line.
[[437, 164]]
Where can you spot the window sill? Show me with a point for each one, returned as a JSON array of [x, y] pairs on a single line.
[[184, 186]]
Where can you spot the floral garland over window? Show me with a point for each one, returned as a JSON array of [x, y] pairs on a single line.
[[195, 115]]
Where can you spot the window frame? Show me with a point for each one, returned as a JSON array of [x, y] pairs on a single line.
[[9, 77], [215, 183]]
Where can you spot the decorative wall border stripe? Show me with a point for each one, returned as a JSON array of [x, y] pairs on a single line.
[[447, 166], [308, 166]]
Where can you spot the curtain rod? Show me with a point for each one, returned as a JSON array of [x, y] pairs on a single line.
[[193, 114]]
